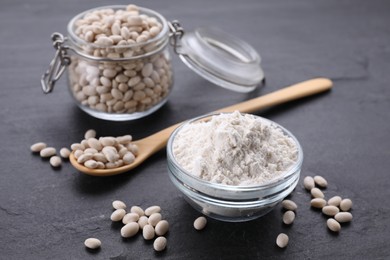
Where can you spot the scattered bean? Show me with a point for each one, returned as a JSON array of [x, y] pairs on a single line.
[[130, 217], [55, 161], [92, 243], [153, 209], [317, 193], [47, 152], [320, 181], [318, 203], [142, 221], [343, 217], [334, 201], [308, 183], [160, 244], [346, 204], [148, 232], [162, 228], [130, 229], [330, 210], [138, 210], [118, 204], [118, 215], [333, 225], [64, 152], [288, 217], [200, 223], [154, 219], [289, 205], [282, 240], [37, 147]]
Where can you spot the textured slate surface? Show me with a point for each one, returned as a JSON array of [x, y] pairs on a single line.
[[47, 214]]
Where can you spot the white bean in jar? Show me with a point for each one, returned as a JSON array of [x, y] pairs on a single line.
[[125, 67]]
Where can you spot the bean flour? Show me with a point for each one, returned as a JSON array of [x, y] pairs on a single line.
[[234, 149]]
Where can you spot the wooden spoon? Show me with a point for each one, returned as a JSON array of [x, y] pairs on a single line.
[[153, 143]]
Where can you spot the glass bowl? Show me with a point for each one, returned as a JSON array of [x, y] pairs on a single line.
[[227, 202]]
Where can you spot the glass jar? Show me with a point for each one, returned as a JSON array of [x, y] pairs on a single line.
[[119, 79], [118, 82]]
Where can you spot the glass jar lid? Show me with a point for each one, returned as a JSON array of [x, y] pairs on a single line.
[[221, 58]]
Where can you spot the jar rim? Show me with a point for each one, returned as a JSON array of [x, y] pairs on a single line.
[[233, 188], [161, 36]]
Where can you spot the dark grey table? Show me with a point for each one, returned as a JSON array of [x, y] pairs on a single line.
[[47, 214]]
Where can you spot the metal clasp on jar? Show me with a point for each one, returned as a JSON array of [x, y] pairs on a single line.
[[58, 65], [176, 34]]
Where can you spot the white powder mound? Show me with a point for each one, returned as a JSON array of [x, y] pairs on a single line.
[[234, 149]]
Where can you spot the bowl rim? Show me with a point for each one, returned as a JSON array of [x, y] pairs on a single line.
[[236, 188]]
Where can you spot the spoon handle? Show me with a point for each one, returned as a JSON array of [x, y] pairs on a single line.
[[296, 91]]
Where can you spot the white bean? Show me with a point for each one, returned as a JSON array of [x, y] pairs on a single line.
[[128, 158], [110, 154], [288, 217], [118, 204], [55, 161], [318, 203], [317, 193], [289, 205], [147, 70], [282, 240], [99, 157], [118, 215], [320, 181], [138, 210], [90, 150], [47, 152], [148, 232], [92, 164], [334, 201], [162, 228], [154, 219], [343, 217], [200, 223], [330, 210], [64, 152], [142, 221], [77, 146], [130, 229], [130, 217], [153, 209], [37, 147], [308, 183], [92, 243], [346, 204], [108, 141], [160, 244], [84, 157], [333, 225], [124, 139], [89, 134]]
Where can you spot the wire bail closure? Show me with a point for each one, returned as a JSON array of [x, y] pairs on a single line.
[[58, 64], [175, 35]]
